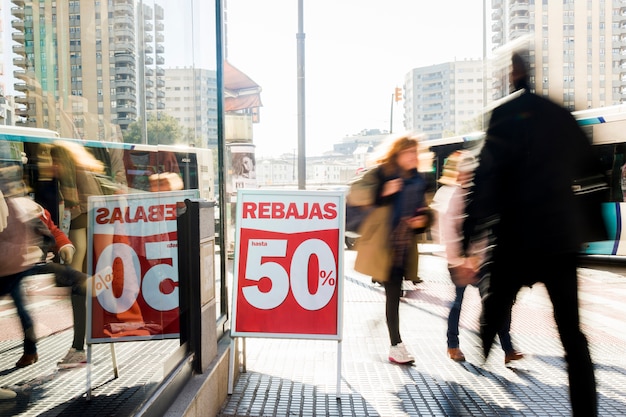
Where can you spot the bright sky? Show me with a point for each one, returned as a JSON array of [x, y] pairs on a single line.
[[356, 52]]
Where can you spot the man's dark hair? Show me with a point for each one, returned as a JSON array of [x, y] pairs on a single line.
[[519, 73]]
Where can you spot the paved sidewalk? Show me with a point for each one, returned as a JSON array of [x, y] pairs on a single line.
[[298, 377]]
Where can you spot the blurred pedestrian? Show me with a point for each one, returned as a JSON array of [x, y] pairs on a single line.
[[77, 171], [387, 247], [22, 248], [465, 267], [66, 276], [533, 153]]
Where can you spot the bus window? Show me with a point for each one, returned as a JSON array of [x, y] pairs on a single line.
[[127, 167]]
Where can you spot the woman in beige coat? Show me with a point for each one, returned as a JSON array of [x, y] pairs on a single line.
[[387, 246]]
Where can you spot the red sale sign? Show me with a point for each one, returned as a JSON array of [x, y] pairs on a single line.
[[288, 278], [133, 265]]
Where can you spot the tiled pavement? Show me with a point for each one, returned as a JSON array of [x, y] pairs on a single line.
[[298, 377]]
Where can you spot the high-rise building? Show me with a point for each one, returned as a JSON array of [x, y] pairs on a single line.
[[577, 49], [444, 99], [191, 98], [76, 65], [154, 58]]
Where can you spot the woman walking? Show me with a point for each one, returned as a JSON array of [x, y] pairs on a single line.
[[387, 247]]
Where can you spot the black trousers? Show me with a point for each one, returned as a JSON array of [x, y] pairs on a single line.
[[559, 274]]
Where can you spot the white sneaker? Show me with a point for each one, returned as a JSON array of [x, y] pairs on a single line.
[[399, 354], [7, 394], [73, 359]]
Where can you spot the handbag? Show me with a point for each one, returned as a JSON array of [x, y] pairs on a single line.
[[355, 215]]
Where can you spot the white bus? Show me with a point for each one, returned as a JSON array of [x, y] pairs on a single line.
[[606, 128], [129, 165]]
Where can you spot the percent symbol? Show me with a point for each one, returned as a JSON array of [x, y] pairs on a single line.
[[327, 277], [103, 281]]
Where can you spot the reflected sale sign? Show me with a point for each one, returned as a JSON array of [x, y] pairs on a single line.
[[133, 265], [288, 277]]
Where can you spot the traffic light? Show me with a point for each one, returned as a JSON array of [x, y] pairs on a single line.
[[398, 95]]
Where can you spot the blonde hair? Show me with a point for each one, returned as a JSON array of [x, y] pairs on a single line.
[[81, 157]]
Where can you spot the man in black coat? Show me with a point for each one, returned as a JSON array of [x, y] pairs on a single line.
[[533, 153]]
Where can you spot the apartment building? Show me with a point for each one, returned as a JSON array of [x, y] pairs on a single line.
[[79, 65], [191, 98], [444, 99], [577, 49]]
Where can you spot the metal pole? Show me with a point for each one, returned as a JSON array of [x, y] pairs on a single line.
[[301, 112], [484, 64], [391, 117]]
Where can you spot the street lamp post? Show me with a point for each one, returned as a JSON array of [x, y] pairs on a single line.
[[301, 112]]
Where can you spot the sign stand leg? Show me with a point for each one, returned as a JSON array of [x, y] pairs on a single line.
[[231, 365], [88, 391], [338, 369], [114, 361], [243, 351]]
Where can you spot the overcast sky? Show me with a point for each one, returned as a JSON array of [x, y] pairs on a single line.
[[356, 52]]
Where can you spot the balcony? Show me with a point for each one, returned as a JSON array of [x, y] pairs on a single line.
[[18, 2], [24, 100], [125, 71], [124, 58], [22, 87], [18, 37], [17, 12], [159, 12], [19, 61], [126, 83], [17, 24], [19, 49], [123, 8], [25, 112], [124, 33]]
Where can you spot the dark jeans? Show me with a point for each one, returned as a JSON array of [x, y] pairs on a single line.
[[558, 272], [455, 314], [12, 284], [66, 276]]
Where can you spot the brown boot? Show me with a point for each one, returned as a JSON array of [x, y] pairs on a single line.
[[27, 359], [513, 355], [456, 354]]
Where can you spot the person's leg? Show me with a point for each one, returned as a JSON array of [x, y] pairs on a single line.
[[66, 276], [79, 313], [393, 292], [562, 286], [453, 318], [79, 239], [30, 355], [498, 295]]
